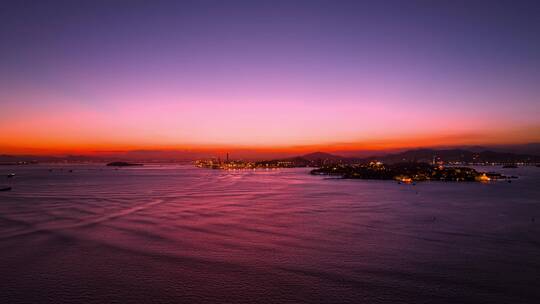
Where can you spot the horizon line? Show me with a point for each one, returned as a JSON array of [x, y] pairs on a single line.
[[260, 151]]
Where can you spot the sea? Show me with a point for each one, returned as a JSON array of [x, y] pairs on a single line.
[[166, 233]]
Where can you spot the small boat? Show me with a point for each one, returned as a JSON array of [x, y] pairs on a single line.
[[5, 189], [10, 175]]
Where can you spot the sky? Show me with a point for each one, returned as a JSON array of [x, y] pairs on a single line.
[[98, 76]]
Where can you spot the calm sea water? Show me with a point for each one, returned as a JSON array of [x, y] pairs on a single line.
[[177, 234]]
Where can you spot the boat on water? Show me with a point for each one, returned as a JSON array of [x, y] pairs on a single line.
[[5, 189], [10, 175]]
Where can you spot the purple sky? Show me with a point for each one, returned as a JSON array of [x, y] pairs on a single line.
[[162, 74]]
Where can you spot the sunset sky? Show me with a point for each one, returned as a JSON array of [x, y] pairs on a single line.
[[87, 76]]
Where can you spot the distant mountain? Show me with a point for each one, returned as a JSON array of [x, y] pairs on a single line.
[[4, 158], [531, 148], [12, 159], [322, 156], [455, 155], [418, 155], [48, 159], [471, 154]]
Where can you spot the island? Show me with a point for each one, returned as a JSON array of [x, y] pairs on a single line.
[[406, 167], [408, 172], [123, 164]]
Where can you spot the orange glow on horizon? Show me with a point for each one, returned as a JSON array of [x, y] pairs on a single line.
[[45, 146], [212, 81], [241, 126]]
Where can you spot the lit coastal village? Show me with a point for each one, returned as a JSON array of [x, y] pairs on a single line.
[[401, 168]]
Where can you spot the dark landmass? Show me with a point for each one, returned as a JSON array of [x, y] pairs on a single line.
[[457, 156], [18, 163], [35, 159], [408, 166], [316, 156], [78, 159], [530, 148], [510, 166], [10, 160], [452, 156], [123, 164], [471, 156], [440, 157], [406, 172]]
